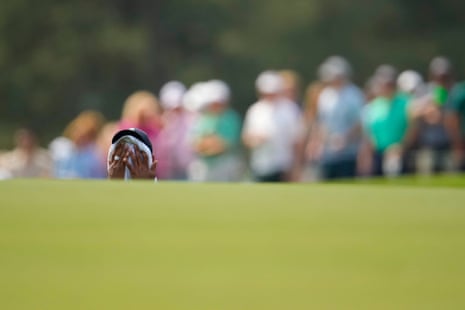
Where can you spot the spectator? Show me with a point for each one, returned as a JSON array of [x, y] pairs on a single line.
[[411, 83], [28, 159], [291, 94], [455, 124], [81, 158], [386, 123], [216, 136], [173, 149], [142, 110], [432, 139], [271, 130], [308, 152], [103, 141], [291, 87], [337, 132]]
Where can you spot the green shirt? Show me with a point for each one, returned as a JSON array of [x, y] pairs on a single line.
[[386, 121], [226, 125], [456, 103]]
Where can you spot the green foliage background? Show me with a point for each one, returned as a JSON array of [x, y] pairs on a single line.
[[60, 57]]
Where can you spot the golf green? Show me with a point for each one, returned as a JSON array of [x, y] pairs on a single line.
[[139, 245]]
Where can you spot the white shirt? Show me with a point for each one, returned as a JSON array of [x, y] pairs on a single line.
[[278, 122]]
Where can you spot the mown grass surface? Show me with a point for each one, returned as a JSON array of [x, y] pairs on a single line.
[[138, 245]]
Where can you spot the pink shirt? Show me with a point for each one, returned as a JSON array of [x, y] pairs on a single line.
[[173, 148]]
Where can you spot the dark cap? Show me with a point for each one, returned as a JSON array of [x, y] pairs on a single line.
[[136, 133]]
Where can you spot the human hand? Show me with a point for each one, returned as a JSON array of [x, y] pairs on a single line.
[[213, 145], [139, 165], [117, 162]]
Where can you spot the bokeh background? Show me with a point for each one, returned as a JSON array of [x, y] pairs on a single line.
[[58, 58]]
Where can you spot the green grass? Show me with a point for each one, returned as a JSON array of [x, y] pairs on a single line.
[[138, 245], [441, 180]]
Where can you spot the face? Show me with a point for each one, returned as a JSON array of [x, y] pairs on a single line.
[[337, 82], [25, 140], [128, 144], [216, 108], [128, 156]]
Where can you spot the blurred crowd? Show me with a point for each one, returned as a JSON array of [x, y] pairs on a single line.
[[397, 123]]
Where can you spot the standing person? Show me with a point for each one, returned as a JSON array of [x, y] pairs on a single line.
[[291, 87], [455, 124], [291, 94], [271, 130], [174, 152], [142, 110], [28, 159], [386, 123], [432, 139], [103, 140], [337, 130], [216, 136], [309, 153], [83, 158]]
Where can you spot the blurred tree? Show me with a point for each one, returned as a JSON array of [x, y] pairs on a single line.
[[57, 58]]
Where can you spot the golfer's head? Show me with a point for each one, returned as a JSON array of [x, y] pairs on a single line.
[[133, 136], [130, 152]]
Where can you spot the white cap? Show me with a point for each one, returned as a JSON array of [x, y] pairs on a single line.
[[218, 92], [171, 94], [61, 148], [334, 67], [409, 81], [196, 97], [386, 72], [440, 66], [269, 82]]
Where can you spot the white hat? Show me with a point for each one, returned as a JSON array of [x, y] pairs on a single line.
[[196, 97], [171, 94], [440, 66], [387, 72], [334, 67], [269, 82], [409, 81], [218, 92]]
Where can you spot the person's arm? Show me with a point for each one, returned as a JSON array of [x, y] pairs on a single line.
[[365, 158], [226, 135], [252, 140], [452, 124], [251, 136], [366, 149], [299, 151], [410, 135], [210, 145], [455, 104]]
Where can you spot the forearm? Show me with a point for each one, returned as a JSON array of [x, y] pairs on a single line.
[[211, 145], [410, 136], [253, 140], [452, 124]]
